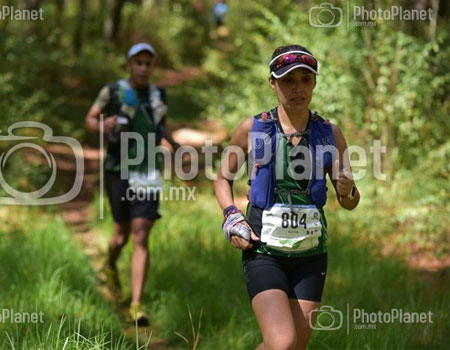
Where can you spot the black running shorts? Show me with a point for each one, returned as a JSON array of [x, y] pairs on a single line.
[[123, 209], [300, 278]]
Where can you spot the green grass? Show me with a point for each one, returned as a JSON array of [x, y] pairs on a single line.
[[42, 270], [194, 268], [192, 264]]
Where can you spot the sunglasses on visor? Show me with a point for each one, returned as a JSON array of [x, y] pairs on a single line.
[[295, 57]]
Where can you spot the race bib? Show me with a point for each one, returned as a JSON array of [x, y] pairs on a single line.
[[293, 230], [145, 181]]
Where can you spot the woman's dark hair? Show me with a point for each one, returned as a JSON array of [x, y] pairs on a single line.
[[286, 48]]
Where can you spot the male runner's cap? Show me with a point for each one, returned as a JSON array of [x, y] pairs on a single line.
[[139, 47]]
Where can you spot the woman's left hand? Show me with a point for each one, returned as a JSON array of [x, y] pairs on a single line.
[[344, 181]]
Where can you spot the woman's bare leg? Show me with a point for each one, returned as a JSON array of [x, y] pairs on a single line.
[[301, 312], [274, 316]]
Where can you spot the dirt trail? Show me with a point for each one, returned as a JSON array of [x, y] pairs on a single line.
[[95, 250]]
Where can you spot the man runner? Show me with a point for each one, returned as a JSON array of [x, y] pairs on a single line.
[[137, 106]]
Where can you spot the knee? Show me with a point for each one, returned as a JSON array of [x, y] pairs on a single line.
[[120, 237], [281, 342], [140, 239], [121, 233], [121, 240]]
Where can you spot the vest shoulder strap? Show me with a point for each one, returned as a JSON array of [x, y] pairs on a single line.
[[321, 133], [157, 98], [114, 103], [125, 95], [315, 117]]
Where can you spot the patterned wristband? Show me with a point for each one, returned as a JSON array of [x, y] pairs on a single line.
[[232, 209]]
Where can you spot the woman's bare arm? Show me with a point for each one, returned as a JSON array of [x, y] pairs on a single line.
[[223, 186], [341, 175]]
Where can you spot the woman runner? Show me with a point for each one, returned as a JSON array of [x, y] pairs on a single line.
[[283, 236]]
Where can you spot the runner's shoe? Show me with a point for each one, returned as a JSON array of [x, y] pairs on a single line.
[[112, 280], [138, 315]]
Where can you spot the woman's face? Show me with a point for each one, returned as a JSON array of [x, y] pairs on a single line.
[[294, 90]]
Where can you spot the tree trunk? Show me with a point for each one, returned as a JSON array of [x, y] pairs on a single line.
[[433, 22], [112, 23], [78, 35], [30, 27], [60, 6], [29, 4]]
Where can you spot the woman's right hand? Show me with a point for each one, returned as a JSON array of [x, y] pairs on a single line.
[[241, 243], [236, 229]]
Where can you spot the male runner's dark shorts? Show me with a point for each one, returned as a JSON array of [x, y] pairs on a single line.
[[301, 278], [124, 210]]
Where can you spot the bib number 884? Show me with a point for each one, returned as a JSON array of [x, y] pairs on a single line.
[[291, 220]]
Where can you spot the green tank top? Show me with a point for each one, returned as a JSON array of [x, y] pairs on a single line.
[[287, 182]]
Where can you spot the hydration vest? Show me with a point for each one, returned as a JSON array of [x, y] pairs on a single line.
[[126, 96], [123, 98], [264, 141]]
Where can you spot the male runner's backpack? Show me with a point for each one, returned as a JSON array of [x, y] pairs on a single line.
[[123, 99], [265, 135], [121, 93]]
